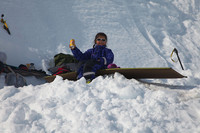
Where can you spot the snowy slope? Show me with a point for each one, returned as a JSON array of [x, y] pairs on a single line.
[[141, 33]]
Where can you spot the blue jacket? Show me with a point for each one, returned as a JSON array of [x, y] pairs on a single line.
[[98, 53]]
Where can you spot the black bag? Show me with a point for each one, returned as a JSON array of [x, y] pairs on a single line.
[[1, 67], [72, 67]]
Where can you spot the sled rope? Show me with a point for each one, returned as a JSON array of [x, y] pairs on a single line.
[[176, 51], [172, 56]]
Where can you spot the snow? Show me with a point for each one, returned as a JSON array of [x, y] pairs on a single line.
[[141, 33]]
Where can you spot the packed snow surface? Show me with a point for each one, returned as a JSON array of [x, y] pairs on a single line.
[[141, 33]]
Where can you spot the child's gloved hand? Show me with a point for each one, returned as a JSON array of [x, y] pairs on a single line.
[[102, 60], [72, 44]]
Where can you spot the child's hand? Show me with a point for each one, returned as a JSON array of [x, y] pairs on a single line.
[[72, 44], [102, 60]]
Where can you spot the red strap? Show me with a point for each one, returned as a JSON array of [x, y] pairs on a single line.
[[60, 71]]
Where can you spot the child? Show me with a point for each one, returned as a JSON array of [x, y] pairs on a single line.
[[98, 57]]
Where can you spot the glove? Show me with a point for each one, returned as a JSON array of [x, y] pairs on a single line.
[[72, 44], [102, 60]]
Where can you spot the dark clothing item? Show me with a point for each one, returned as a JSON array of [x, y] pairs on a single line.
[[1, 66], [87, 69], [60, 59]]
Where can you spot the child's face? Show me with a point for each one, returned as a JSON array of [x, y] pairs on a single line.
[[101, 40]]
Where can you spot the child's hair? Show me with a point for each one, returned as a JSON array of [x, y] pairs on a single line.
[[100, 34]]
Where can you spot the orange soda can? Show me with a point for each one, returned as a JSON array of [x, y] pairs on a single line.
[[72, 44]]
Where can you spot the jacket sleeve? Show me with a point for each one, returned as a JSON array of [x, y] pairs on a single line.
[[108, 58], [81, 56]]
